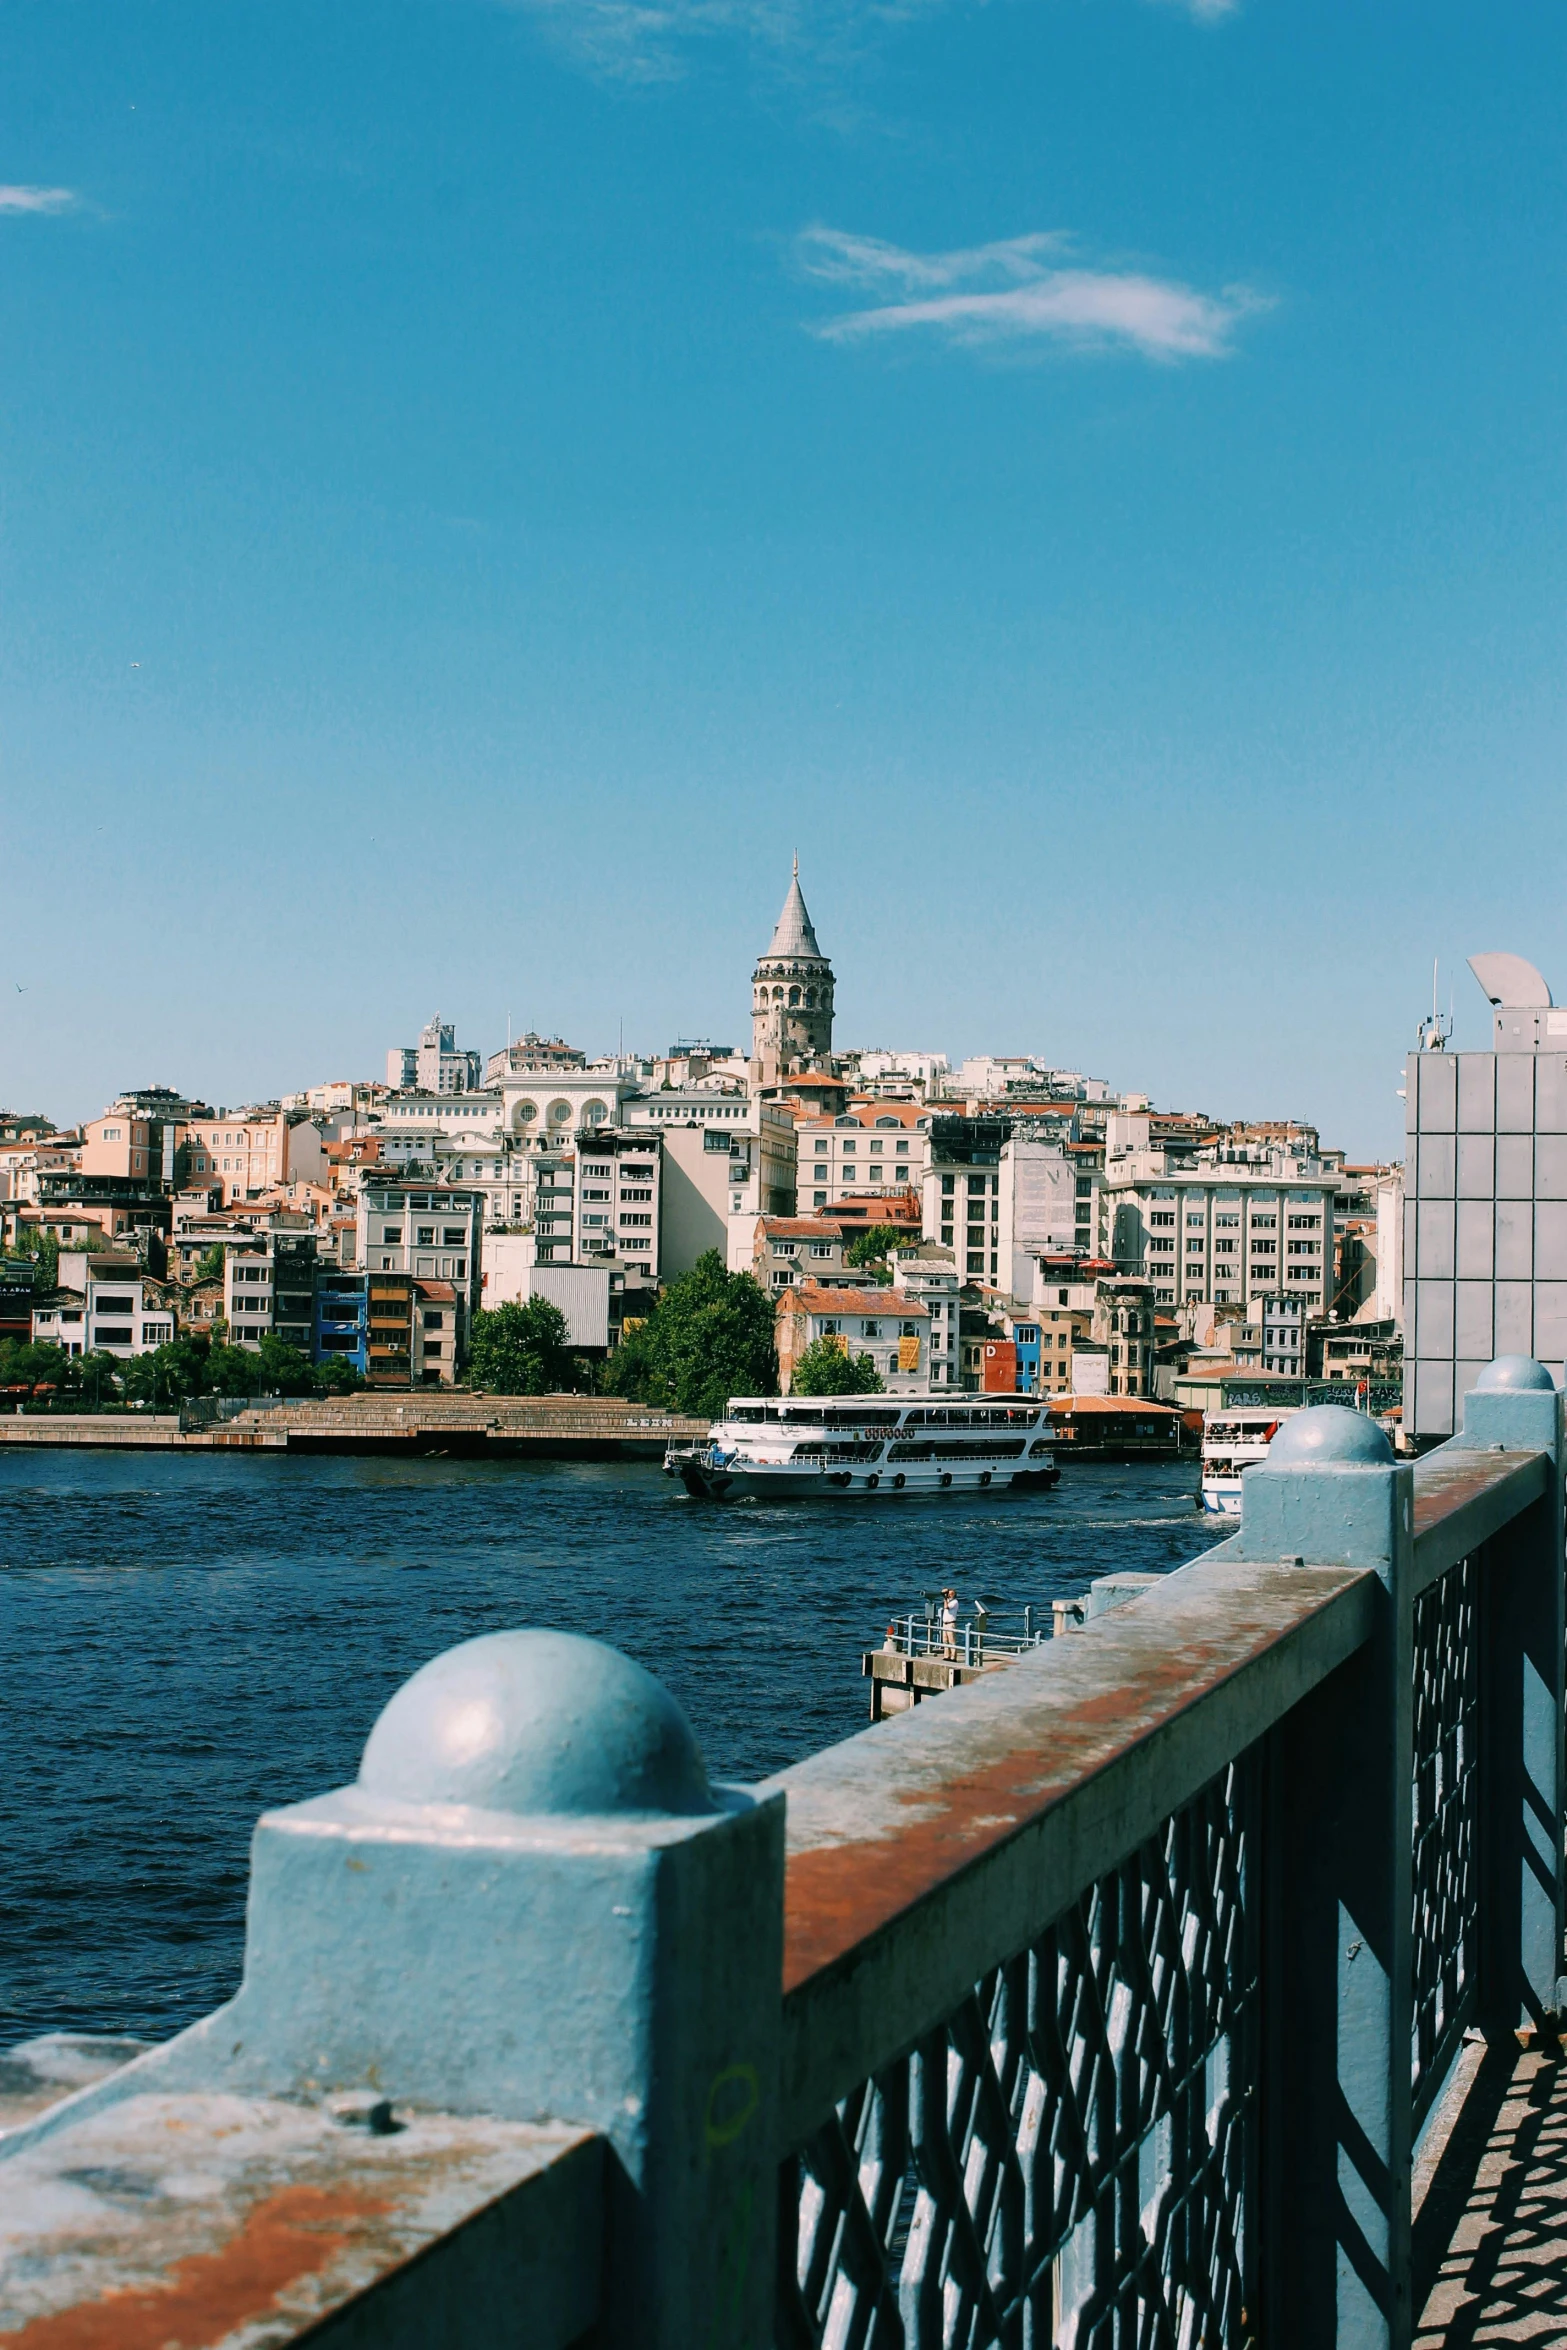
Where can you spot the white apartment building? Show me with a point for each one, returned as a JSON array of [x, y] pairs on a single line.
[[269, 1289], [1227, 1229], [929, 1275], [617, 1204], [871, 1148], [961, 1211], [429, 1231], [101, 1305], [1037, 1197]]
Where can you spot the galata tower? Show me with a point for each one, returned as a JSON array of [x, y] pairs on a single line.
[[791, 994]]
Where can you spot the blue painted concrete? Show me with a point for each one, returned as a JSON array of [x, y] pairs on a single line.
[[539, 1722]]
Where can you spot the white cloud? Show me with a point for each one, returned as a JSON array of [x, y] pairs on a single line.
[[1022, 289], [19, 199]]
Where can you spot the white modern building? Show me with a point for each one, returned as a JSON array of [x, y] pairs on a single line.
[[429, 1231], [100, 1306], [1226, 1227], [435, 1064], [929, 1275]]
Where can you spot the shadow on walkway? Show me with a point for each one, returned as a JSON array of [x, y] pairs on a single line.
[[1498, 2202]]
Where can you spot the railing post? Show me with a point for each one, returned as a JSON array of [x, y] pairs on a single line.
[[1520, 1808], [532, 1905], [1334, 2255]]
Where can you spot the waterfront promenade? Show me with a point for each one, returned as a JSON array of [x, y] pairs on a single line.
[[566, 1427]]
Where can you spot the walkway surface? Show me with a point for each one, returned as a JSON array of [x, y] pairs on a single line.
[[1504, 2275]]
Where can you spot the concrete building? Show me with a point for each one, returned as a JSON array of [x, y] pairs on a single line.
[[1037, 1197], [889, 1325], [342, 1326], [591, 1297], [799, 1248], [530, 1053], [718, 1176], [618, 1185], [1485, 1224], [871, 1146], [1225, 1227], [435, 1064], [926, 1272], [246, 1152], [269, 1290], [426, 1233], [1123, 1324], [791, 997], [101, 1306]]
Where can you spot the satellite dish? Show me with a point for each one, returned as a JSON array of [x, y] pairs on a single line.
[[1510, 983]]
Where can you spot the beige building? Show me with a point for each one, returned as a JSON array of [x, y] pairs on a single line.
[[1123, 1324], [870, 1147], [1221, 1227], [242, 1152]]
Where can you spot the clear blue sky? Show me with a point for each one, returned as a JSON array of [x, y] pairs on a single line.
[[480, 485]]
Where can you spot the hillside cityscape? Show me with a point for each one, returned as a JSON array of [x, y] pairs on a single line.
[[519, 1219]]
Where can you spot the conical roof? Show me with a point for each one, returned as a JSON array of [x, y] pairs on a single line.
[[794, 935]]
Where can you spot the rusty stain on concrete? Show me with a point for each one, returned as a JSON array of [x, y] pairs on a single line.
[[291, 2234], [1447, 1482], [912, 1818]]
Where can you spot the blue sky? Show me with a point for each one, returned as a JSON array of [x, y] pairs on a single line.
[[480, 485]]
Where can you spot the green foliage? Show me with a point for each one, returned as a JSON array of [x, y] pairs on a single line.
[[168, 1375], [825, 1369], [709, 1337], [233, 1370], [520, 1349], [209, 1265], [334, 1376], [870, 1248], [284, 1370], [22, 1364], [44, 1250]]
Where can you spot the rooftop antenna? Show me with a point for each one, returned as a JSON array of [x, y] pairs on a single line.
[[1435, 1032]]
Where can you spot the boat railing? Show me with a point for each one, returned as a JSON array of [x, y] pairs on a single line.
[[978, 1632]]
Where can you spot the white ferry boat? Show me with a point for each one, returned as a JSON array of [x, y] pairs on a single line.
[[832, 1447], [1233, 1443]]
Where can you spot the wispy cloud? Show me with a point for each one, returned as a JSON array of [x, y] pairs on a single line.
[[649, 40], [1020, 290], [20, 199]]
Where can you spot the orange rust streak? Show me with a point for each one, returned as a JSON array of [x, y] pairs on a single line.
[[295, 2233], [1444, 1490], [837, 1895]]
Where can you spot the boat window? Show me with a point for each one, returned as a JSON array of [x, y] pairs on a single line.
[[1022, 1419], [747, 1411], [980, 1448], [1039, 1447]]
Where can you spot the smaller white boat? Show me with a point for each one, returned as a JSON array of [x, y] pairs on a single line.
[[1232, 1444]]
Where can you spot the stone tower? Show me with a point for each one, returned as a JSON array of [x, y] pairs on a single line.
[[791, 994]]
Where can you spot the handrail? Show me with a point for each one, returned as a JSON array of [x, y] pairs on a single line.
[[959, 1835]]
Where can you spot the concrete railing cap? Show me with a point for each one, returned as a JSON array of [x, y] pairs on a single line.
[[540, 1722], [1515, 1372], [1329, 1433]]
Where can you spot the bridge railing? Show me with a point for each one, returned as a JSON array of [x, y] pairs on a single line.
[[1117, 1988]]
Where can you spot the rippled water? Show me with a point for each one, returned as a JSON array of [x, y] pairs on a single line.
[[184, 1642]]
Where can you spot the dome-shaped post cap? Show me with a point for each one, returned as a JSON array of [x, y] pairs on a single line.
[[536, 1722], [1329, 1435], [1512, 1374]]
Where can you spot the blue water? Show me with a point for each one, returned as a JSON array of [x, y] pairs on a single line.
[[184, 1642]]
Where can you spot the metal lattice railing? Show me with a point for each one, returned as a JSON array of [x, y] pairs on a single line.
[[1069, 2157], [1446, 1888]]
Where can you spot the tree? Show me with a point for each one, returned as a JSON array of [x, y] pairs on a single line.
[[870, 1248], [709, 1337], [209, 1265], [44, 1250], [826, 1369], [520, 1349], [233, 1370], [335, 1376], [169, 1374], [24, 1364], [284, 1370]]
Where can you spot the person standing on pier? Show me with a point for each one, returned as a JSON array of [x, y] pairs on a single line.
[[949, 1622]]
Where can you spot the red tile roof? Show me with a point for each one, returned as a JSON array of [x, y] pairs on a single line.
[[813, 1297], [800, 1228]]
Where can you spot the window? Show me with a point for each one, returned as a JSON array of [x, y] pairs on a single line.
[[1221, 1219], [454, 1235], [908, 1329], [1195, 1222], [1225, 1248], [424, 1237], [871, 1329], [830, 1330], [1162, 1216], [434, 1321], [787, 1248], [1264, 1248], [902, 1149], [391, 1233]]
